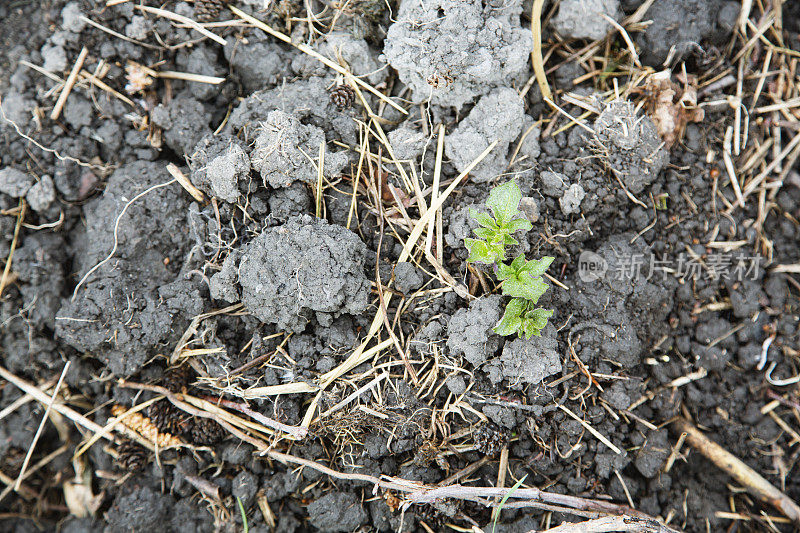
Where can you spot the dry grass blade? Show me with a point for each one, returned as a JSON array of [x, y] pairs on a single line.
[[186, 20], [71, 414], [316, 55], [38, 434], [71, 79], [181, 178], [188, 76], [356, 358], [591, 430], [536, 55]]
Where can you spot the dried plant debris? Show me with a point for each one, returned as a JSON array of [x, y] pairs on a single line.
[[343, 96], [672, 105], [146, 428], [168, 419], [208, 10], [667, 200]]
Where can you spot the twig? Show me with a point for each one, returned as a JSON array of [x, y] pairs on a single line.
[[73, 76], [293, 431], [181, 178], [607, 524], [7, 269], [38, 433], [752, 480]]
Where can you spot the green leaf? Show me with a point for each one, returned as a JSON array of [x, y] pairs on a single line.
[[518, 224], [484, 252], [496, 512], [245, 526], [478, 251], [538, 317], [487, 234], [524, 286], [538, 267], [504, 202], [511, 321], [484, 219]]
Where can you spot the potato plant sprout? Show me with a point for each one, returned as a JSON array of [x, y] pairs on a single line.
[[522, 279]]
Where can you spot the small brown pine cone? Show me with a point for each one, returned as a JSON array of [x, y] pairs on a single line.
[[490, 439], [167, 418], [177, 379], [131, 457], [208, 10], [343, 96], [204, 432]]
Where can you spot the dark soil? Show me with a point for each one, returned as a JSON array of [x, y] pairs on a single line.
[[252, 299]]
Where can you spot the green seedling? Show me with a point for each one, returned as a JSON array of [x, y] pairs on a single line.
[[522, 279], [495, 231]]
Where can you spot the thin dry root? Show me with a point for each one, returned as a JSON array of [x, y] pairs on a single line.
[[749, 478]]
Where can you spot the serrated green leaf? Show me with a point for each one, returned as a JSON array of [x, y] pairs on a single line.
[[524, 286], [483, 252], [511, 321], [538, 317], [518, 224], [482, 218], [538, 267], [504, 202], [510, 241], [487, 234], [519, 262], [505, 271]]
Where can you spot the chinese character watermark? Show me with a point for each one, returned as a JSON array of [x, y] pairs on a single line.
[[712, 266]]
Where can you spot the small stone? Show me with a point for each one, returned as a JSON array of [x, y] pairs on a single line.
[[15, 183], [41, 194], [553, 183], [582, 19], [138, 28], [530, 208], [571, 201]]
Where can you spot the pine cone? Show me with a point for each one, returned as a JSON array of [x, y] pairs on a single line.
[[343, 96], [490, 439], [177, 379], [131, 457], [167, 418], [205, 432], [208, 10]]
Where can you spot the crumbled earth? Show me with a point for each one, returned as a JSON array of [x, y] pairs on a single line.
[[254, 297]]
